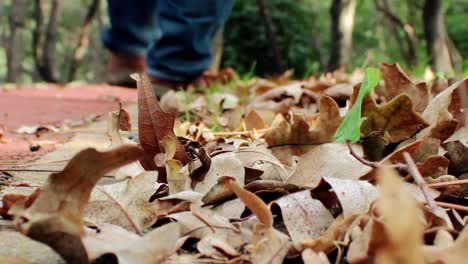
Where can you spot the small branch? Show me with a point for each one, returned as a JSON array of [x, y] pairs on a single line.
[[201, 218], [124, 211], [353, 153], [448, 183], [400, 167], [413, 170], [452, 206]]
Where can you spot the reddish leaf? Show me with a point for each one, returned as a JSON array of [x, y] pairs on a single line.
[[154, 124]]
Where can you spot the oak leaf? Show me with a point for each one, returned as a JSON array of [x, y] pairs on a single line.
[[304, 216], [446, 110], [154, 124], [396, 120], [397, 82], [55, 217]]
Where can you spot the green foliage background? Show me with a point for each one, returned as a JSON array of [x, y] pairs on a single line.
[[303, 31]]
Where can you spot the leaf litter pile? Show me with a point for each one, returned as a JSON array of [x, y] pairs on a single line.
[[323, 170]]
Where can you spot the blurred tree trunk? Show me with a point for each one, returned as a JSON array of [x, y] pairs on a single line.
[[14, 48], [342, 16], [409, 50], [436, 36], [83, 39], [270, 28], [217, 50], [45, 62]]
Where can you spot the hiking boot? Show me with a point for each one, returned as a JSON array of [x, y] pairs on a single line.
[[162, 86], [120, 67]]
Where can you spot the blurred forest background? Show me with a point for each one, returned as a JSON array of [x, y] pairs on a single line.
[[59, 40]]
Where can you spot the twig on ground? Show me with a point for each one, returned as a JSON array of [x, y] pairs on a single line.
[[452, 206], [124, 211], [400, 167], [353, 153], [413, 170], [447, 183]]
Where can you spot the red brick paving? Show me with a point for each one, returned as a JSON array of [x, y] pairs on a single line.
[[50, 105]]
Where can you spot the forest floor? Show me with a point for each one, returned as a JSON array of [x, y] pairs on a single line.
[[251, 170]]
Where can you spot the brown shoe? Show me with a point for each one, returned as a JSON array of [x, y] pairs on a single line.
[[161, 86], [120, 67]]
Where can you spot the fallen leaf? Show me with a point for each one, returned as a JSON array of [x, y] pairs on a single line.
[[396, 120], [225, 164], [55, 217], [331, 160], [457, 153], [304, 216], [311, 257], [403, 226], [444, 107], [397, 82], [251, 201], [335, 233], [133, 169], [298, 132], [113, 242], [253, 120], [154, 124], [455, 253], [355, 196], [132, 195]]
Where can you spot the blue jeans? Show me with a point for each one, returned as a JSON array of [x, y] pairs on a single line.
[[174, 35]]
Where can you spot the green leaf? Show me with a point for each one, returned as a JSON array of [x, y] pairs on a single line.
[[350, 128]]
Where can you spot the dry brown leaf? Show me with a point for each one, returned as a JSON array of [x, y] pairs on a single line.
[[304, 216], [335, 233], [364, 246], [457, 152], [125, 120], [403, 226], [252, 201], [331, 160], [253, 120], [311, 257], [448, 253], [395, 120], [113, 242], [177, 178], [355, 196], [397, 82], [133, 169], [55, 217], [444, 109], [298, 132], [154, 124], [225, 164], [269, 246], [133, 195], [261, 158]]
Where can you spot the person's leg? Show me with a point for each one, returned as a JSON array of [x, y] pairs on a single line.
[[183, 51], [133, 26]]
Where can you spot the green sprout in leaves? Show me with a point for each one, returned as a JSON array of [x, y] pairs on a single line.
[[350, 128]]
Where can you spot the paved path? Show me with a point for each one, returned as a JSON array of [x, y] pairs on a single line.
[[52, 105]]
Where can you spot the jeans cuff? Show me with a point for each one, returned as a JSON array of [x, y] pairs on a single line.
[[167, 77], [121, 46]]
